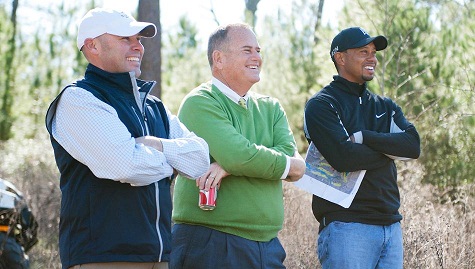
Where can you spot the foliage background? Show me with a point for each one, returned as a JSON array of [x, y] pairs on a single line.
[[428, 69]]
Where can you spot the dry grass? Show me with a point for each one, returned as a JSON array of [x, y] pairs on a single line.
[[439, 226], [299, 235], [438, 231], [437, 234]]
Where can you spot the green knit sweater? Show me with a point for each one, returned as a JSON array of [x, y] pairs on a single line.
[[251, 145]]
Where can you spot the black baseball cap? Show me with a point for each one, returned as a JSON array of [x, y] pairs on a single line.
[[355, 37]]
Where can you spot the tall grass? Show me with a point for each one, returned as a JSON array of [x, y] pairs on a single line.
[[439, 225], [30, 165]]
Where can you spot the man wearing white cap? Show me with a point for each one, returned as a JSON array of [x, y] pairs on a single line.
[[117, 149]]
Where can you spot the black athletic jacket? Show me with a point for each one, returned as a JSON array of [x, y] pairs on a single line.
[[340, 110]]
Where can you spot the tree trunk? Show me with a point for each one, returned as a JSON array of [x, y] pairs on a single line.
[[250, 12], [149, 11], [6, 119]]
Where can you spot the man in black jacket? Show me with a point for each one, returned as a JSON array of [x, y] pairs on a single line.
[[355, 129]]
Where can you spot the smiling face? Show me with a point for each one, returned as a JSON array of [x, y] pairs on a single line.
[[115, 54], [239, 62], [357, 65]]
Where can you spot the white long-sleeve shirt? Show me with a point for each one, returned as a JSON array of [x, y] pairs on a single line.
[[91, 131]]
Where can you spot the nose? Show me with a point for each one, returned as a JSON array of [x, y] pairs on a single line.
[[372, 57], [137, 45], [256, 55]]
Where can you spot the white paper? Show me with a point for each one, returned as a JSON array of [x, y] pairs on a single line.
[[325, 182]]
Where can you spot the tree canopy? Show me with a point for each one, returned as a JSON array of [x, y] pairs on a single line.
[[427, 68]]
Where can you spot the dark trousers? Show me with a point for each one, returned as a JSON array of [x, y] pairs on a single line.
[[198, 247]]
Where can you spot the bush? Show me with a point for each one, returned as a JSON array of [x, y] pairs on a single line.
[[436, 235]]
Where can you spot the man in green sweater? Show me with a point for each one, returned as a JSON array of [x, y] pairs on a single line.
[[252, 150]]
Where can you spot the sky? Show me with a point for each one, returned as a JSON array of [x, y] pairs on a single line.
[[197, 11]]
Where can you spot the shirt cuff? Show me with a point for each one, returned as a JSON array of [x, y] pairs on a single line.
[[287, 168], [358, 137]]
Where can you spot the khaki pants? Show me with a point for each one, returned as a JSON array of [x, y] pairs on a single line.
[[122, 265]]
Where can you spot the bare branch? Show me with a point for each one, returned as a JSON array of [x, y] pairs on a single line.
[[318, 22], [213, 13]]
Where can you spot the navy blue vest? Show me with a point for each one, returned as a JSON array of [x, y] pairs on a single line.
[[104, 220]]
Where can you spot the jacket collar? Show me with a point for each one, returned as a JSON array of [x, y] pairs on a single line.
[[348, 86], [121, 81]]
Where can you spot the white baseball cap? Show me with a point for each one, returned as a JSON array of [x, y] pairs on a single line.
[[99, 21]]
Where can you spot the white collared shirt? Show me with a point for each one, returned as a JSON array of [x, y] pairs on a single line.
[[91, 131], [228, 91]]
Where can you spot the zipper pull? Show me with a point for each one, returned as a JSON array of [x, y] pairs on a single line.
[[361, 101]]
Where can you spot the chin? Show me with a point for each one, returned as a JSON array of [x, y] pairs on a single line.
[[368, 78], [137, 73]]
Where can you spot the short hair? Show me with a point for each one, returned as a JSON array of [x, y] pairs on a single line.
[[218, 40]]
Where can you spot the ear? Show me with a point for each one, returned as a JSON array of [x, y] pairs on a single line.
[[218, 59], [90, 44], [339, 58]]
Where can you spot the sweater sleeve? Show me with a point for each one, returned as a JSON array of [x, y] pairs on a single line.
[[283, 138], [212, 117], [324, 127]]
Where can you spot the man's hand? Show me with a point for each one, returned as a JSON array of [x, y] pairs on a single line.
[[212, 177], [297, 168], [352, 138]]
